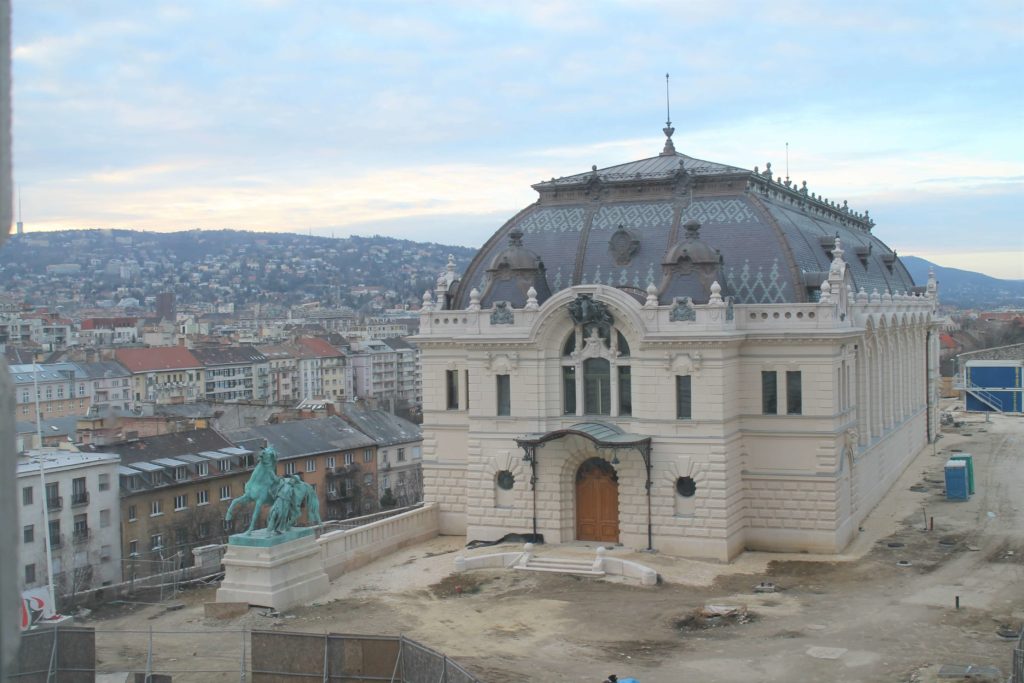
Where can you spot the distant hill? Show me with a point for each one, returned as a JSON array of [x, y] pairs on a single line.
[[965, 288]]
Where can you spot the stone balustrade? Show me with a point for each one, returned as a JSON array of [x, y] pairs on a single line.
[[349, 549]]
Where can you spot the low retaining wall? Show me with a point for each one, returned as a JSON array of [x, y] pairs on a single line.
[[349, 549]]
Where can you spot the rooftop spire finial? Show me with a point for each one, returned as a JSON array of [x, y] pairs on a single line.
[[669, 149]]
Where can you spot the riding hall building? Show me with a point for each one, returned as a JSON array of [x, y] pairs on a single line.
[[678, 355]]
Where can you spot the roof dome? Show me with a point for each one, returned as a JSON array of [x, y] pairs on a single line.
[[766, 239], [512, 273]]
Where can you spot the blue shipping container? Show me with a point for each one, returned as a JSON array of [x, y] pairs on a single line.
[[956, 480], [999, 388]]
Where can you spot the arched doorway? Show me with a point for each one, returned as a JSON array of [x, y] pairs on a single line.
[[597, 502]]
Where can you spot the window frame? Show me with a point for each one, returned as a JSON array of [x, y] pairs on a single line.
[[769, 392], [794, 392], [684, 397], [503, 395]]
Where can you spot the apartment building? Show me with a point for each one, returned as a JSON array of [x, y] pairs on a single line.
[[234, 373], [335, 376], [399, 451], [75, 499], [283, 378], [168, 374]]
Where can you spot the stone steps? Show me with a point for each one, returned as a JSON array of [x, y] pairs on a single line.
[[560, 566]]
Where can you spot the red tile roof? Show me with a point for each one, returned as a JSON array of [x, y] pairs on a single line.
[[157, 358], [318, 348]]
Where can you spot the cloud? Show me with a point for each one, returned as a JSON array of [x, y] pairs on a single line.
[[292, 115]]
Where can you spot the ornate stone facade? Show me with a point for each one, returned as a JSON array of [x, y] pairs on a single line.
[[760, 422]]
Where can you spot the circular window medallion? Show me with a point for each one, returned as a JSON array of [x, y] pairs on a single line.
[[686, 486], [506, 480]]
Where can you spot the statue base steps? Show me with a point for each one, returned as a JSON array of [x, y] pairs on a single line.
[[280, 576]]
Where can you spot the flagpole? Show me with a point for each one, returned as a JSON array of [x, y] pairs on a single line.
[[43, 497]]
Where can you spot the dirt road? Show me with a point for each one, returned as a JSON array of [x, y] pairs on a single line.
[[857, 617]]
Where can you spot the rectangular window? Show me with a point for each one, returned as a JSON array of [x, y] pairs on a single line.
[[156, 541], [289, 468], [794, 393], [132, 516], [26, 495], [105, 553], [53, 501], [104, 519], [180, 473], [181, 502], [331, 462], [625, 391], [401, 455], [55, 539], [28, 533], [104, 482], [133, 548], [769, 393], [504, 387], [156, 507], [350, 458], [225, 492], [311, 464], [452, 389], [596, 386], [30, 574], [684, 399], [225, 465], [367, 455], [202, 497], [203, 469], [568, 390], [204, 530], [465, 402], [81, 528], [368, 479]]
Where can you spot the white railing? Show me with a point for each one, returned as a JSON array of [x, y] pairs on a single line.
[[989, 399]]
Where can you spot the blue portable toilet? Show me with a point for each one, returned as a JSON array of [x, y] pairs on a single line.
[[969, 460], [957, 487]]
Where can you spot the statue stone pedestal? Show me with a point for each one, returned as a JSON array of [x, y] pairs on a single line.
[[273, 570]]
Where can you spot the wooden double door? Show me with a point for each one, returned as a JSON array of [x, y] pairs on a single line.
[[597, 502]]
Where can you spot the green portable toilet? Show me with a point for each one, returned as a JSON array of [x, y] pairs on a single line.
[[969, 464]]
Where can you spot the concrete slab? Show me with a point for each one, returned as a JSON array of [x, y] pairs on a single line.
[[826, 652]]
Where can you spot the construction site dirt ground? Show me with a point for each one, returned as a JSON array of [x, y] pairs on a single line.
[[859, 616]]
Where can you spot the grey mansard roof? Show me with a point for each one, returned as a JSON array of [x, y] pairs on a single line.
[[618, 226]]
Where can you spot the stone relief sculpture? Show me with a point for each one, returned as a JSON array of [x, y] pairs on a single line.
[[502, 314], [585, 310], [283, 495]]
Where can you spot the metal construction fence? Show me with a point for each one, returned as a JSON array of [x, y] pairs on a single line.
[[1017, 666], [76, 654]]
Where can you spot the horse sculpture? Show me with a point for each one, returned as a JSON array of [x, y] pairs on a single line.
[[259, 490], [285, 496]]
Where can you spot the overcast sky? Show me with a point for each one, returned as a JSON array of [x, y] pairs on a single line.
[[430, 120]]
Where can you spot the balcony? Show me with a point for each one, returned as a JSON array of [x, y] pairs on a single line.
[[54, 503], [79, 498], [342, 470], [81, 534]]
